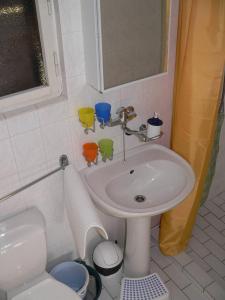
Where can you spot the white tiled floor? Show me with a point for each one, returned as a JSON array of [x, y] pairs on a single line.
[[199, 272]]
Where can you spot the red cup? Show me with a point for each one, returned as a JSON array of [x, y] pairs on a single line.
[[90, 151]]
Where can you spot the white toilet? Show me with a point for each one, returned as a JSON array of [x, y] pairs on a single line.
[[23, 257]]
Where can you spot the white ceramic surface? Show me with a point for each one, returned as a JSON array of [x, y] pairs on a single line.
[[153, 171], [48, 289], [23, 250], [23, 258]]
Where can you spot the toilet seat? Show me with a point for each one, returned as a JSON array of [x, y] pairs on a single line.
[[48, 289]]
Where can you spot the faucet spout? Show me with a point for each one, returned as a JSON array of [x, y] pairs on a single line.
[[140, 134]]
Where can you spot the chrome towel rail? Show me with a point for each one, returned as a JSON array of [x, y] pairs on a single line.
[[63, 163]]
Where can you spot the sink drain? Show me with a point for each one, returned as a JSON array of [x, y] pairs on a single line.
[[139, 198]]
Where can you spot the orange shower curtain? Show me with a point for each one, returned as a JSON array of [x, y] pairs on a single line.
[[199, 71]]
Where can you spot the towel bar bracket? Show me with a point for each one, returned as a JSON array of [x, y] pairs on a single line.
[[63, 161]]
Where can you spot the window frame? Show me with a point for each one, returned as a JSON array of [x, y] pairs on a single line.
[[50, 50]]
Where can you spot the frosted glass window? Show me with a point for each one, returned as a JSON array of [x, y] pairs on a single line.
[[134, 39], [21, 60]]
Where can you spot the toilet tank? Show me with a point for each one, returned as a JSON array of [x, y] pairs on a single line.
[[23, 251]]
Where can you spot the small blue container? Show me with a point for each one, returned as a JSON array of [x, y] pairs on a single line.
[[103, 112], [72, 274]]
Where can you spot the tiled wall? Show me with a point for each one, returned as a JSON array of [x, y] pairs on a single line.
[[32, 139]]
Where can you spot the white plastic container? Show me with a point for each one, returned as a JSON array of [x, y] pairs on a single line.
[[154, 125], [108, 261]]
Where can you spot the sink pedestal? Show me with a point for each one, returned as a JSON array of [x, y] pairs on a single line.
[[137, 251]]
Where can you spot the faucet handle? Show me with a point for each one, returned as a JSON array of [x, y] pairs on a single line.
[[129, 109], [120, 109], [143, 127], [131, 116]]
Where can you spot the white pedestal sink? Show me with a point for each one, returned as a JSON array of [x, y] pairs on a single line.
[[152, 180]]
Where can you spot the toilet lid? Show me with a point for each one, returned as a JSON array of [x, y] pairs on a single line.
[[48, 289]]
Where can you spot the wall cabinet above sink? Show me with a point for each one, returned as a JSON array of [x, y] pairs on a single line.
[[124, 41]]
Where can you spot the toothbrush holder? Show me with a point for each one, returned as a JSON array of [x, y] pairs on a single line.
[[90, 153], [106, 149], [103, 113], [87, 118]]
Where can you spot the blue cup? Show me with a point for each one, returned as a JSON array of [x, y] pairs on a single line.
[[103, 112]]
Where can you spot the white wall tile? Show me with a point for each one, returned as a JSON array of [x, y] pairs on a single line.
[[12, 206], [7, 160], [28, 175], [114, 98], [132, 95], [57, 140], [3, 128], [29, 150], [78, 93], [7, 185], [52, 112], [22, 121]]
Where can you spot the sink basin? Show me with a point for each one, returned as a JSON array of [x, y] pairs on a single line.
[[152, 180]]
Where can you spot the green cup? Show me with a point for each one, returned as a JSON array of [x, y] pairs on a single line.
[[106, 148]]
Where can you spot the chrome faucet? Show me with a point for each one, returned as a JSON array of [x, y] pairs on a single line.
[[141, 134], [125, 114]]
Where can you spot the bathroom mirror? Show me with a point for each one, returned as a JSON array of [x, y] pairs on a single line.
[[131, 38]]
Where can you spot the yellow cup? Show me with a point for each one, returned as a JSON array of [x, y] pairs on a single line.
[[86, 116]]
